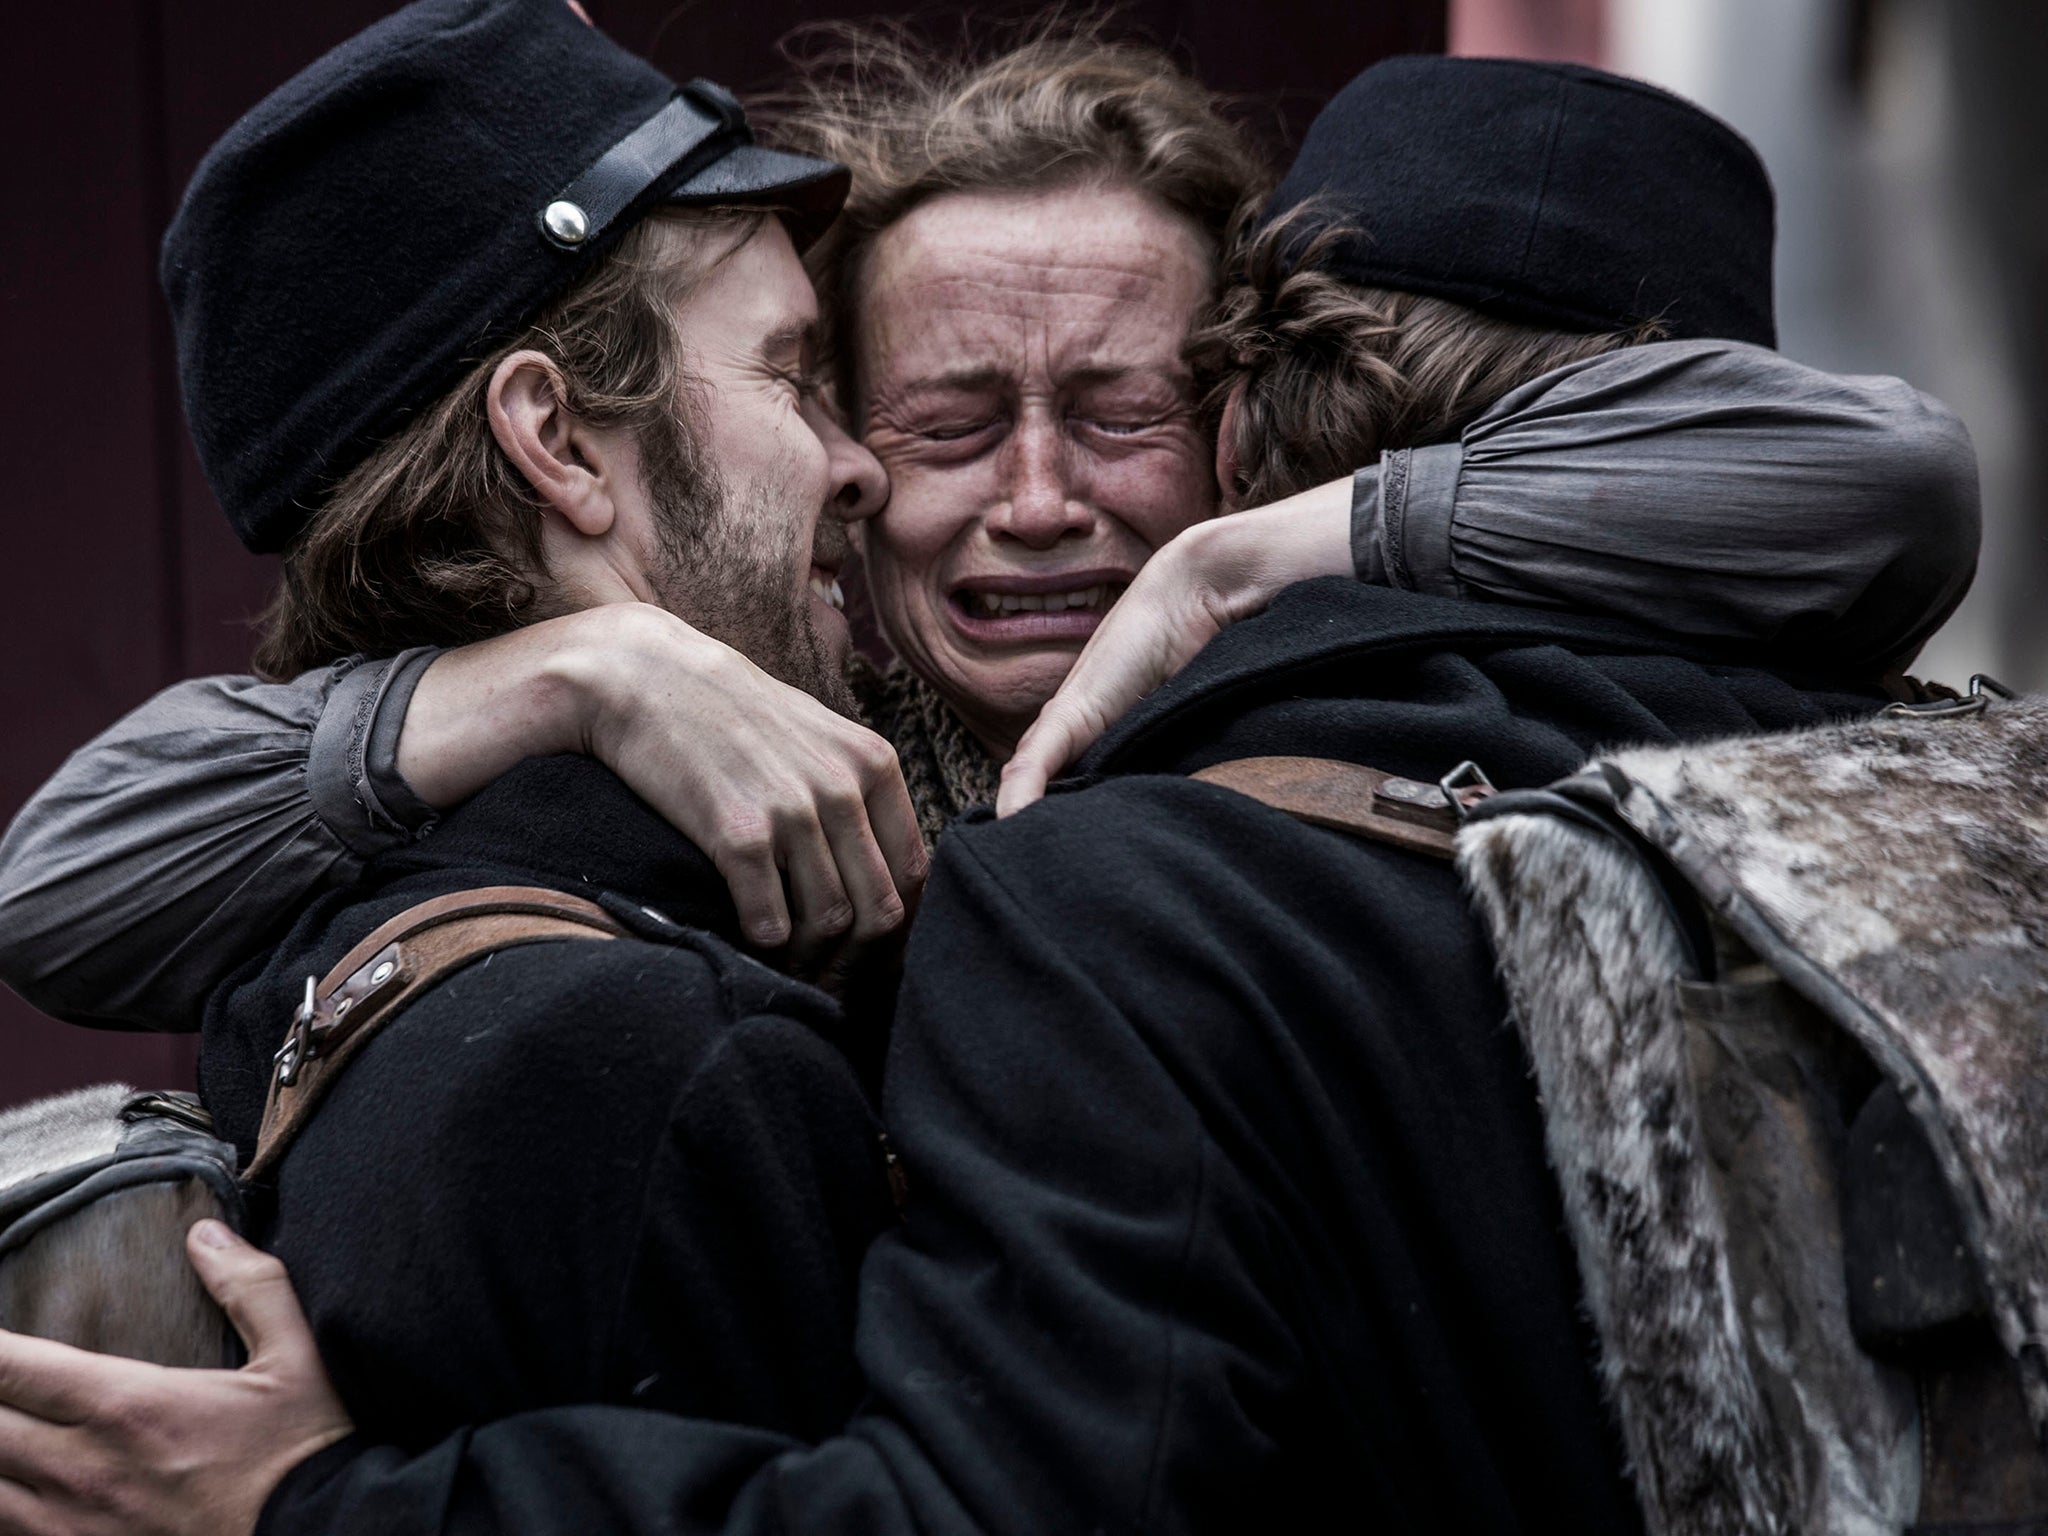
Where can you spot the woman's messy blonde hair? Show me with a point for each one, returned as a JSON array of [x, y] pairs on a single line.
[[1332, 373], [1060, 104]]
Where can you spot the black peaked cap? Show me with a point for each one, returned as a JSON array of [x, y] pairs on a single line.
[[1548, 193], [409, 201]]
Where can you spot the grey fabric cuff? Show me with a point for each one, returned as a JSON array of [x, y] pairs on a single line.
[[387, 724], [1418, 493], [352, 777], [1368, 554]]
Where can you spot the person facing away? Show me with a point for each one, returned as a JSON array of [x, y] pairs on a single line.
[[1227, 1190]]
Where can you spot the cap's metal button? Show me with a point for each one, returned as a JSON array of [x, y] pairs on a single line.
[[566, 222]]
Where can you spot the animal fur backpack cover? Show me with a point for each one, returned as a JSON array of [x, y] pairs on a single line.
[[97, 1189], [1786, 999]]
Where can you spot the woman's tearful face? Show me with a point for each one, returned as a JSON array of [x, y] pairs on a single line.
[[1020, 378]]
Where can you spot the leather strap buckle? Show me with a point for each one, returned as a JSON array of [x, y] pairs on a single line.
[[404, 957], [1348, 797]]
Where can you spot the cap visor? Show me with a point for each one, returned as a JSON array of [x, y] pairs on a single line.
[[811, 190]]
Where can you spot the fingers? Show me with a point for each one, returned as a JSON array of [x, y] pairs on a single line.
[[255, 1292], [33, 1451], [870, 886], [893, 820], [54, 1381], [746, 857], [1071, 722], [1041, 753], [822, 911], [1156, 627], [22, 1513]]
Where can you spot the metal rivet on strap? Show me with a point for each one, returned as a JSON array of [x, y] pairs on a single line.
[[382, 974], [565, 222]]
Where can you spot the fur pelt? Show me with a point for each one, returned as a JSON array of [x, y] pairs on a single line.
[[64, 1131], [1590, 960], [1893, 875]]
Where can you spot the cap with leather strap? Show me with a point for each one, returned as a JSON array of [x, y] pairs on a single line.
[[409, 201]]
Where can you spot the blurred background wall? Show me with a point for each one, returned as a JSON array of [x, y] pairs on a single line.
[[1906, 137]]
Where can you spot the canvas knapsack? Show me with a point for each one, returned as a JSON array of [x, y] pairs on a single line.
[[1786, 1001], [97, 1189]]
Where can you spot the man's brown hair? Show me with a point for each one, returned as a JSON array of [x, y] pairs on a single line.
[[1063, 104], [435, 538], [1334, 373]]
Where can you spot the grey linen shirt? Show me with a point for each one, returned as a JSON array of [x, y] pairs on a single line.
[[1711, 489], [187, 835], [1707, 488]]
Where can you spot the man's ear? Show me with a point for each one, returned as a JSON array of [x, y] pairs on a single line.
[[560, 457], [1226, 446]]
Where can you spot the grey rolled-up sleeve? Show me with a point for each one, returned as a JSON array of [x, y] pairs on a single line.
[[178, 842], [1704, 488]]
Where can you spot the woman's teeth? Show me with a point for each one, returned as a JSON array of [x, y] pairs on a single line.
[[994, 605], [830, 591]]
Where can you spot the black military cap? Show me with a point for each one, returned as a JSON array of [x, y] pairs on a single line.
[[1548, 193], [406, 203]]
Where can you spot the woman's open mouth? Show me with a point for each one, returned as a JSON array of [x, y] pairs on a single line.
[[1013, 609]]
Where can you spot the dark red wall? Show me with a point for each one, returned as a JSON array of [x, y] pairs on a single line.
[[119, 575]]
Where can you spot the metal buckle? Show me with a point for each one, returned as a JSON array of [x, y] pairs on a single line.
[[297, 1049], [1464, 787], [1983, 689], [181, 1108]]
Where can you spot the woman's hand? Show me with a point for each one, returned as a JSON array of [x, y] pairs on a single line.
[[770, 783], [95, 1445], [1195, 587]]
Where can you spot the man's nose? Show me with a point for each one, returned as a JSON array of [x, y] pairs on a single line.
[[1039, 506], [859, 484]]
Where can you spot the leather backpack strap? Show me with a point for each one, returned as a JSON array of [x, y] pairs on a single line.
[[1349, 797], [343, 1011]]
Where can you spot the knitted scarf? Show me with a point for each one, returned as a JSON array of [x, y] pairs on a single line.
[[946, 769]]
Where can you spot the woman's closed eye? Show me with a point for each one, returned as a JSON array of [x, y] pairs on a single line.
[[1118, 426], [957, 429], [1127, 421]]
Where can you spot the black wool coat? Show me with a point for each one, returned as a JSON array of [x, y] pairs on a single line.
[[641, 1171], [1228, 1202]]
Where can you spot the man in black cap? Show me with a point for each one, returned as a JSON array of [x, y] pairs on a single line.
[[1229, 1204], [482, 318]]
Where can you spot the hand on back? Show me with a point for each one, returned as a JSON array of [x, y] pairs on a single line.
[[95, 1445]]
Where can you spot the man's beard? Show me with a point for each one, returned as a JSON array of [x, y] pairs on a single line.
[[723, 564]]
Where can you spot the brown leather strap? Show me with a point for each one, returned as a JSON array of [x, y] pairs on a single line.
[[387, 970], [1325, 792]]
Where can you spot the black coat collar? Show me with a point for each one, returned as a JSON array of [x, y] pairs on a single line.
[[1412, 683], [568, 822]]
